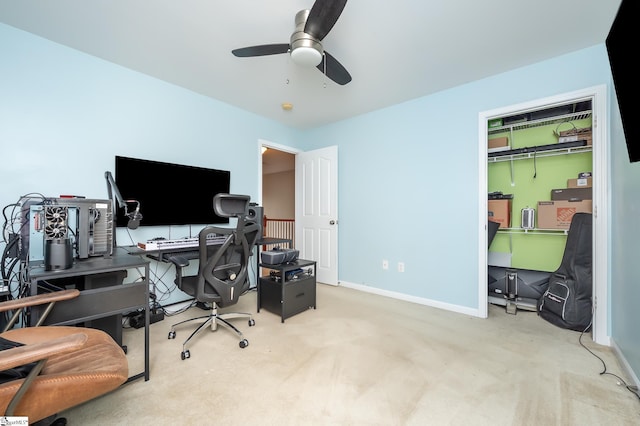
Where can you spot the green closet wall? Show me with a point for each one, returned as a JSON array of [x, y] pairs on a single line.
[[532, 181]]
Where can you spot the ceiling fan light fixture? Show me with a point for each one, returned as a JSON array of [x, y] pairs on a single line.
[[306, 56], [305, 49]]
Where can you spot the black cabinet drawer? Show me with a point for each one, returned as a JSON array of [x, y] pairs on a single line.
[[270, 295], [296, 296], [299, 296]]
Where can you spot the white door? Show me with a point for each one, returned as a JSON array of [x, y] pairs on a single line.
[[317, 211]]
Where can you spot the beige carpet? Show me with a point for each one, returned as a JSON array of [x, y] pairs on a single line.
[[363, 359]]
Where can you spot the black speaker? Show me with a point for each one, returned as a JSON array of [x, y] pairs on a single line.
[[256, 214]]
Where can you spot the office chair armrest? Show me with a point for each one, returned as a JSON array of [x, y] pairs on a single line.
[[40, 299], [179, 262], [21, 355]]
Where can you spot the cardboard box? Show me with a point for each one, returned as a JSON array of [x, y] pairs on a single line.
[[583, 193], [558, 214], [500, 211], [584, 134], [579, 183], [498, 143]]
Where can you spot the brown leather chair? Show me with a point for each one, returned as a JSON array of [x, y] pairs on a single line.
[[71, 365]]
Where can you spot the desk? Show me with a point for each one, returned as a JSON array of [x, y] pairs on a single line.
[[161, 255], [112, 299]]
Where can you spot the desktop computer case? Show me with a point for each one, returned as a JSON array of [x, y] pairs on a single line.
[[87, 223]]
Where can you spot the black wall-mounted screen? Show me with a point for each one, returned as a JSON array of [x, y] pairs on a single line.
[[170, 194], [621, 40]]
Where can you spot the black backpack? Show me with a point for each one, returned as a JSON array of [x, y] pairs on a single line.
[[567, 302]]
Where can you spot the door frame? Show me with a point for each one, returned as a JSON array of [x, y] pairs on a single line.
[[600, 153]]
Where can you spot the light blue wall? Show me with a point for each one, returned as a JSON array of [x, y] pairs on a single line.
[[408, 173], [65, 115], [408, 189], [408, 179], [625, 242]]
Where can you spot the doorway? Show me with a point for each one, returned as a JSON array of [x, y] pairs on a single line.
[[278, 189], [315, 198], [600, 164], [276, 178]]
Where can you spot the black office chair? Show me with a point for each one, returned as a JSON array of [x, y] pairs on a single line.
[[223, 268]]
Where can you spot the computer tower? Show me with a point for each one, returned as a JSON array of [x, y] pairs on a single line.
[[87, 224]]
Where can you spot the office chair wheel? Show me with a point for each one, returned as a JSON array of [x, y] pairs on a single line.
[[252, 322], [244, 343], [172, 335], [185, 354]]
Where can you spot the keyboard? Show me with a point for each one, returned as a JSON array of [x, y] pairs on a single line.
[[167, 245]]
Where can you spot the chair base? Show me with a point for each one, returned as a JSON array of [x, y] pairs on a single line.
[[213, 320]]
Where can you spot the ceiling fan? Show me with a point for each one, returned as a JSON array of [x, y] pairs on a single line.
[[305, 48]]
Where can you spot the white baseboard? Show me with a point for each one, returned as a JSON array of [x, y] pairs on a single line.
[[419, 300], [625, 365]]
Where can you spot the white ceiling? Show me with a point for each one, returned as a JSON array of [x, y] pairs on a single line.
[[394, 50]]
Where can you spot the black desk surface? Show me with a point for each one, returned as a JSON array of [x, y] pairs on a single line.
[[118, 261]]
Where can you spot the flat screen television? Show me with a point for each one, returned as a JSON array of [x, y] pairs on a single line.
[[623, 35], [170, 194]]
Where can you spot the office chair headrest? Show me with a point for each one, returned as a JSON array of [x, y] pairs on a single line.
[[231, 205]]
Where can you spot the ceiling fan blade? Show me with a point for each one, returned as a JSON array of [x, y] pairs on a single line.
[[334, 69], [262, 50], [323, 16]]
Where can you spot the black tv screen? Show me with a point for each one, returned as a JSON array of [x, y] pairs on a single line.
[[621, 40], [170, 194]]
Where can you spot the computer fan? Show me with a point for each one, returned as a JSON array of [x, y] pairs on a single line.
[[55, 218]]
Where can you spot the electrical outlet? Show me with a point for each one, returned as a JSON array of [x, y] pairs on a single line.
[[385, 264], [400, 266]]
